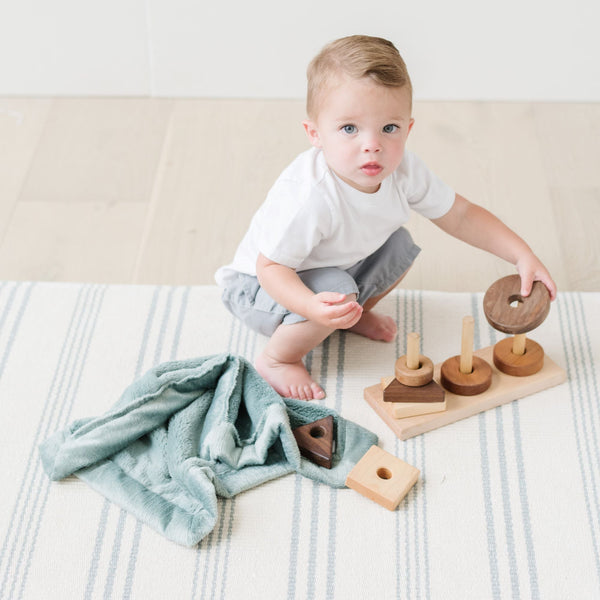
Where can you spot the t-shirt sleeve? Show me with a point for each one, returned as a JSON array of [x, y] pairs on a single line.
[[292, 222], [426, 193]]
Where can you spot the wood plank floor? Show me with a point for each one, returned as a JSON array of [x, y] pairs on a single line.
[[162, 190]]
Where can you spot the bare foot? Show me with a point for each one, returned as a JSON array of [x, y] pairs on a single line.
[[290, 380], [375, 326]]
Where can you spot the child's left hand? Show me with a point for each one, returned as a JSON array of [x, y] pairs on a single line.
[[531, 269]]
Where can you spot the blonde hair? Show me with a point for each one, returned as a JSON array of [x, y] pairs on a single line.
[[356, 56]]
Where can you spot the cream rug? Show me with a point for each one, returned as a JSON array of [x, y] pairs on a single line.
[[507, 506]]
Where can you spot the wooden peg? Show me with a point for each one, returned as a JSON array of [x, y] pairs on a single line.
[[466, 374], [466, 346], [315, 441], [413, 350], [519, 344], [382, 477], [413, 369]]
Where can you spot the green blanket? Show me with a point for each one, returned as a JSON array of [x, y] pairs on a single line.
[[189, 431]]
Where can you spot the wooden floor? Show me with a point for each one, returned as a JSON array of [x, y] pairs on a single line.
[[161, 191]]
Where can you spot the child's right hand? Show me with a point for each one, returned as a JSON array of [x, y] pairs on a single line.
[[333, 310]]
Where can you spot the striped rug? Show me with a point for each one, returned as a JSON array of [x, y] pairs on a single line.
[[507, 506]]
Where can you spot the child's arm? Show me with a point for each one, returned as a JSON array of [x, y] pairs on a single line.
[[480, 228], [284, 286]]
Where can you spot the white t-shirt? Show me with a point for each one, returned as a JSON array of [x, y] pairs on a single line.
[[311, 218]]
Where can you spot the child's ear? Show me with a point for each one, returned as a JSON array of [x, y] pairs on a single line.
[[410, 125], [312, 133]]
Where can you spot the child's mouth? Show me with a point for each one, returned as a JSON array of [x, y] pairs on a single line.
[[371, 169]]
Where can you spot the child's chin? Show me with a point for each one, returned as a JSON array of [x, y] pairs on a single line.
[[368, 187]]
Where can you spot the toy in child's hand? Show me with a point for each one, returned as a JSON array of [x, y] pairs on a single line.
[[466, 375], [507, 311]]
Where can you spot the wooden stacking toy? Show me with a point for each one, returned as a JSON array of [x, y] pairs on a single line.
[[507, 311], [412, 391], [482, 379], [466, 375]]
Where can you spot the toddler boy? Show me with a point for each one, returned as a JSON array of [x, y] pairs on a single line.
[[328, 243]]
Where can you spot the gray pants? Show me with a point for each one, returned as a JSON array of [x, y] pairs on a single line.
[[368, 278]]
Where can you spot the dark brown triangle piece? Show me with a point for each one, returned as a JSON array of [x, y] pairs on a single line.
[[398, 392], [315, 441]]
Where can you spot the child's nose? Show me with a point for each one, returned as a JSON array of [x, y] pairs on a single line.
[[372, 144]]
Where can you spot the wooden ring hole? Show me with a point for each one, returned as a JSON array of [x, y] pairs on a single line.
[[515, 300], [384, 473], [317, 432]]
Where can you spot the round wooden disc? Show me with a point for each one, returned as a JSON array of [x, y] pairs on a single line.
[[463, 384], [518, 365], [414, 377], [526, 313]]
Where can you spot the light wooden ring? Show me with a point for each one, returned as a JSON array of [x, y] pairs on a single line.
[[414, 377], [530, 312], [466, 384], [518, 365]]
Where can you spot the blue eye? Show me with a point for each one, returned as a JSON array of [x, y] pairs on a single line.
[[349, 129], [390, 128]]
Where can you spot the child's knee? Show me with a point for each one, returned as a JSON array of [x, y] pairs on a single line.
[[329, 279]]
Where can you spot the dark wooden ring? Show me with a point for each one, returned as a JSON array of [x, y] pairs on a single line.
[[518, 365], [466, 384], [528, 313]]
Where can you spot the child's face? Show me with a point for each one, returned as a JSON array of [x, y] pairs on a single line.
[[362, 129]]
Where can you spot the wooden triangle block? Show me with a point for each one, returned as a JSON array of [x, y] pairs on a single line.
[[315, 441], [405, 401]]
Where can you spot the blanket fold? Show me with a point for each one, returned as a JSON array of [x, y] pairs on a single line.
[[189, 431]]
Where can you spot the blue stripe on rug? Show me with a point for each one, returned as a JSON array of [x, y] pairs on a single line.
[[18, 319], [205, 547], [333, 493], [25, 489], [120, 530], [486, 481], [399, 352], [223, 542], [424, 478], [101, 529], [574, 376], [137, 533], [83, 344], [295, 534]]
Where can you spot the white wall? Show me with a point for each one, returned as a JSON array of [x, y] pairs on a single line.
[[455, 49]]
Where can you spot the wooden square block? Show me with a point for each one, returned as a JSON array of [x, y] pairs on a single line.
[[405, 401], [382, 477]]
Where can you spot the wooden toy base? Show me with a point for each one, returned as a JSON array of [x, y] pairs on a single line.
[[504, 389]]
